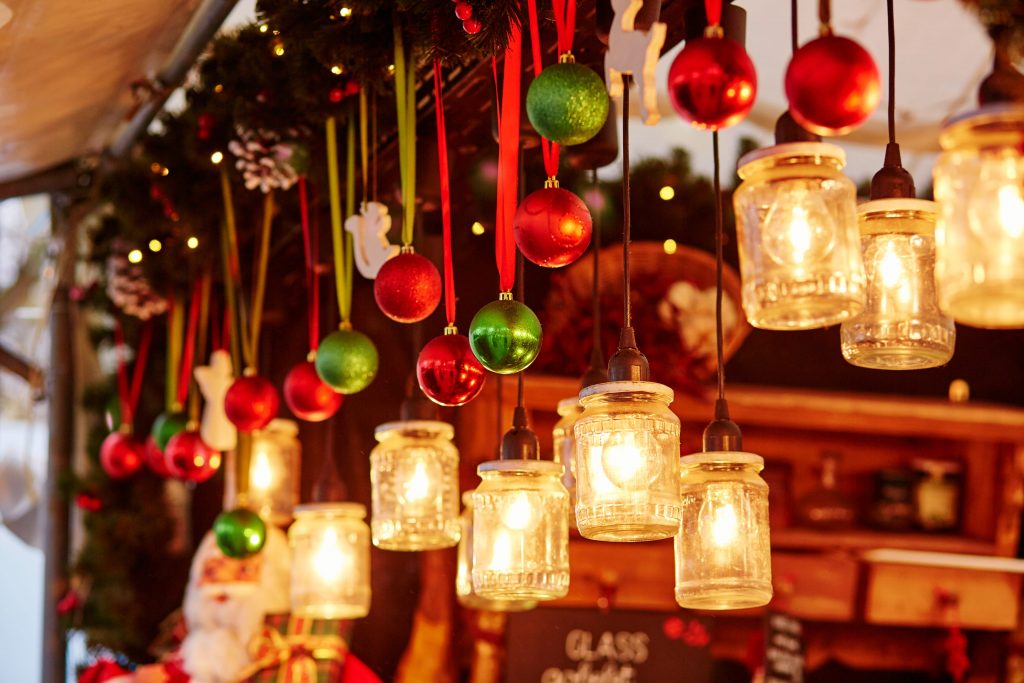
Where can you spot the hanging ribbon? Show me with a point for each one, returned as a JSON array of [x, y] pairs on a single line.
[[508, 160], [713, 9], [549, 150], [310, 251], [342, 247], [189, 348], [175, 330], [128, 396], [364, 145], [260, 286], [446, 202], [565, 24], [405, 100], [205, 287]]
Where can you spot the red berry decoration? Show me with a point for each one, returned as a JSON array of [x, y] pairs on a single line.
[[463, 10], [552, 227], [408, 287], [448, 372], [155, 459], [833, 86], [309, 397], [121, 455], [712, 83], [189, 458], [472, 26], [251, 403]]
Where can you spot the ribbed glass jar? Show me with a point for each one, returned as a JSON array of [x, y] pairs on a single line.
[[563, 441], [723, 548], [414, 481], [464, 572], [796, 225], [627, 462], [330, 561], [274, 473], [901, 326], [520, 531], [979, 238]]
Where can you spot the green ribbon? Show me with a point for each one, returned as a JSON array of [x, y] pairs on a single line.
[[405, 99]]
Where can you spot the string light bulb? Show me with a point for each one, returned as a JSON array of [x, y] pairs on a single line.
[[192, 242], [217, 157], [155, 245], [135, 256], [667, 193], [478, 228]]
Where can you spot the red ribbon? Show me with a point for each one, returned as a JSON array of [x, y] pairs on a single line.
[[508, 160], [446, 201], [549, 150], [311, 248], [713, 8], [189, 350], [129, 397], [565, 23]]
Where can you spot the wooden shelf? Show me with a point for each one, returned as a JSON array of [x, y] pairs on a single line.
[[866, 539]]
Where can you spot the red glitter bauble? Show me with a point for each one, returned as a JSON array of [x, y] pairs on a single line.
[[712, 83], [463, 10], [251, 403], [448, 372], [309, 397], [155, 459], [121, 455], [188, 457], [833, 85], [472, 26], [552, 227], [408, 287]]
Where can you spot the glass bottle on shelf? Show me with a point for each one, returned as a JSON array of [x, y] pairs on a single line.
[[826, 507]]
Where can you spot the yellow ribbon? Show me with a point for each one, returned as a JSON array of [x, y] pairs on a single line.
[[295, 656]]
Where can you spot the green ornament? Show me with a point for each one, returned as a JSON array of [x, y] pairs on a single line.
[[567, 103], [239, 533], [347, 360], [166, 425], [505, 336]]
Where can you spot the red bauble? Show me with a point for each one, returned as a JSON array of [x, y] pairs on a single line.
[[712, 83], [472, 26], [552, 227], [408, 287], [463, 10], [121, 455], [155, 459], [448, 372], [251, 403], [309, 397], [189, 458], [833, 86]]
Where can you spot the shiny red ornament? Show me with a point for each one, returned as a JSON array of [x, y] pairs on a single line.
[[833, 85], [121, 455], [155, 459], [712, 83], [189, 458], [463, 10], [472, 26], [552, 227], [309, 397], [407, 287], [448, 372], [251, 403]]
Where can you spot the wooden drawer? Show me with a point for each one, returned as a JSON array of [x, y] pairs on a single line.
[[819, 587], [911, 594]]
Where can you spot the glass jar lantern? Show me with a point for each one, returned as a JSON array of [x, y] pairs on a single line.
[[627, 462], [414, 477], [796, 224], [723, 549], [464, 572], [521, 531], [330, 561], [563, 440], [979, 186], [901, 326], [274, 473]]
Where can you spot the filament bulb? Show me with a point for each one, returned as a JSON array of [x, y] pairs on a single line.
[[798, 230], [629, 459]]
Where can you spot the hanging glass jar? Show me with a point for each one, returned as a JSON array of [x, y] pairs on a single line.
[[979, 186], [901, 326], [627, 460], [521, 531], [330, 561], [796, 224], [563, 441], [414, 477], [274, 473], [723, 550], [464, 572]]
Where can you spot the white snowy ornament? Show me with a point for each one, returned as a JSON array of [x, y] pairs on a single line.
[[369, 230], [214, 380], [634, 52]]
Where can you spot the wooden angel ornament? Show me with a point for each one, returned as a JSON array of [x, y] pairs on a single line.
[[369, 229], [635, 52], [214, 380]]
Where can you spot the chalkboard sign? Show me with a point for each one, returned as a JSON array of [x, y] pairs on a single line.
[[556, 645], [783, 648]]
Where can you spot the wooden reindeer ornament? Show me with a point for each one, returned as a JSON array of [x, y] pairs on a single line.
[[634, 52]]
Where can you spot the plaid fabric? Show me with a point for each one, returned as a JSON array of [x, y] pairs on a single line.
[[297, 650]]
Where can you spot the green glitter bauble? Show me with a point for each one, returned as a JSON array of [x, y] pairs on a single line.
[[567, 103], [239, 533], [505, 336], [166, 425], [347, 360]]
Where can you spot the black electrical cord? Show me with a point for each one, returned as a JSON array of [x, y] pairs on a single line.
[[892, 72], [794, 26], [627, 313], [521, 295], [719, 266], [595, 284]]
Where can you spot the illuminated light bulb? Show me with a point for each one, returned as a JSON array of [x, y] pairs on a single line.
[[217, 157], [264, 28], [667, 193], [501, 556], [329, 562], [192, 242], [724, 525], [890, 268], [261, 476], [155, 245], [518, 516], [330, 567], [135, 256], [337, 70], [478, 228], [345, 12], [219, 88], [670, 246], [418, 487], [1011, 210], [629, 460], [798, 230]]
